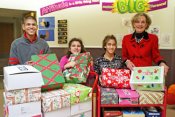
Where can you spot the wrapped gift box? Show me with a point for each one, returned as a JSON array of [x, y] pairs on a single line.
[[152, 112], [82, 108], [79, 73], [151, 97], [79, 93], [50, 69], [147, 78], [21, 76], [62, 112], [133, 113], [112, 113], [128, 96], [54, 100], [20, 96], [116, 78], [31, 109], [109, 96]]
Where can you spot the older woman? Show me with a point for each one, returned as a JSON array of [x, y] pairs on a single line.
[[141, 48]]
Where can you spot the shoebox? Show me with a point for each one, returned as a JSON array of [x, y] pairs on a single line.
[[109, 96], [133, 112], [152, 112], [128, 96], [151, 97], [21, 76], [55, 100], [20, 96], [147, 78]]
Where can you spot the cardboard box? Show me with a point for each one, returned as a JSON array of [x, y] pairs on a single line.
[[54, 100], [80, 108], [63, 112], [128, 96], [22, 76], [148, 78]]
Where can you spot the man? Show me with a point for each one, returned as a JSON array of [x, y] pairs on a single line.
[[29, 44]]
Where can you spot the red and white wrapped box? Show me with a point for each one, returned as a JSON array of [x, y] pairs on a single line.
[[115, 78], [54, 100], [151, 97], [20, 96]]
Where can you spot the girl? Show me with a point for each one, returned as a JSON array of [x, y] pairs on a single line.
[[75, 46], [109, 59]]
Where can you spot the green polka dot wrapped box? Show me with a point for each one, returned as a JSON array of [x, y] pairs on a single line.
[[148, 78]]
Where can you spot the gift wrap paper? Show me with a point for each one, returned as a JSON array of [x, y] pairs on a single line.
[[79, 73], [109, 96], [20, 96], [79, 93], [52, 75], [53, 100], [115, 78], [151, 97]]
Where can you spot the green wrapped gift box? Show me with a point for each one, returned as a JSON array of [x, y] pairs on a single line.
[[147, 78], [52, 75], [79, 93], [79, 73]]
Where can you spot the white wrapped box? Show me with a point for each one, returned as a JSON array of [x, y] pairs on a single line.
[[22, 76], [147, 78], [62, 112], [80, 108]]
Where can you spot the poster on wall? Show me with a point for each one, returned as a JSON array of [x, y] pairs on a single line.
[[62, 31], [46, 22], [133, 6], [47, 35]]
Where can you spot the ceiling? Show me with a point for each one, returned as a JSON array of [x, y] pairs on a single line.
[[12, 12]]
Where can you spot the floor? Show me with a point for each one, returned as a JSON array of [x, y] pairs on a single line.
[[170, 108]]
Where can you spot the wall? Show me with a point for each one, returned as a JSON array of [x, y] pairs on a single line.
[[91, 24]]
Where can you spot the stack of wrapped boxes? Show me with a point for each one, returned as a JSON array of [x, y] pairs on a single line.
[[58, 97], [147, 87], [22, 96]]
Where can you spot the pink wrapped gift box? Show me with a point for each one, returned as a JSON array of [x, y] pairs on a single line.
[[128, 96]]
